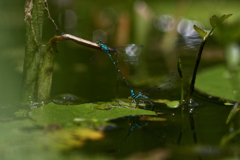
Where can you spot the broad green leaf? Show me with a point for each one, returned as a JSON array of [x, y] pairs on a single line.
[[83, 115], [201, 32], [217, 81]]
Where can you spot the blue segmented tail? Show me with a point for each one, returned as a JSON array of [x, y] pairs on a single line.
[[106, 49]]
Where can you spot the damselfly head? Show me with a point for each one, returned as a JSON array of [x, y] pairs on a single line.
[[99, 42]]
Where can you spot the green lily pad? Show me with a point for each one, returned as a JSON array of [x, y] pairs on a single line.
[[173, 104], [228, 104], [216, 81], [83, 115]]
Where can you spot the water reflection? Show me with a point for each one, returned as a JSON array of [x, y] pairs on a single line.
[[141, 124], [188, 34]]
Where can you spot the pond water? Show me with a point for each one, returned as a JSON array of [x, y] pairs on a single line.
[[84, 75]]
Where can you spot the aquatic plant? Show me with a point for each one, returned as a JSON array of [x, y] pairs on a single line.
[[214, 21]]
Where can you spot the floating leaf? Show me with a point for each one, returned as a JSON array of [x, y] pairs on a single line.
[[201, 32], [228, 104], [161, 100], [173, 104], [217, 81], [105, 106], [83, 115]]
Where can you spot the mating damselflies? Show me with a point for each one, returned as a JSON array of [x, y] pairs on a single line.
[[165, 83]]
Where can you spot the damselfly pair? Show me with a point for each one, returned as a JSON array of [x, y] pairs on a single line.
[[165, 83]]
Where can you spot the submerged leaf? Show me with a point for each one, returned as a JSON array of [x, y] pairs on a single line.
[[72, 138], [227, 138], [150, 118], [201, 32], [233, 112]]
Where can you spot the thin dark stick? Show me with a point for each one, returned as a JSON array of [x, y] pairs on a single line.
[[191, 88]]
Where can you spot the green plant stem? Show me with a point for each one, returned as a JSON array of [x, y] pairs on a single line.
[[181, 91], [45, 73], [191, 88], [179, 67], [34, 11]]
